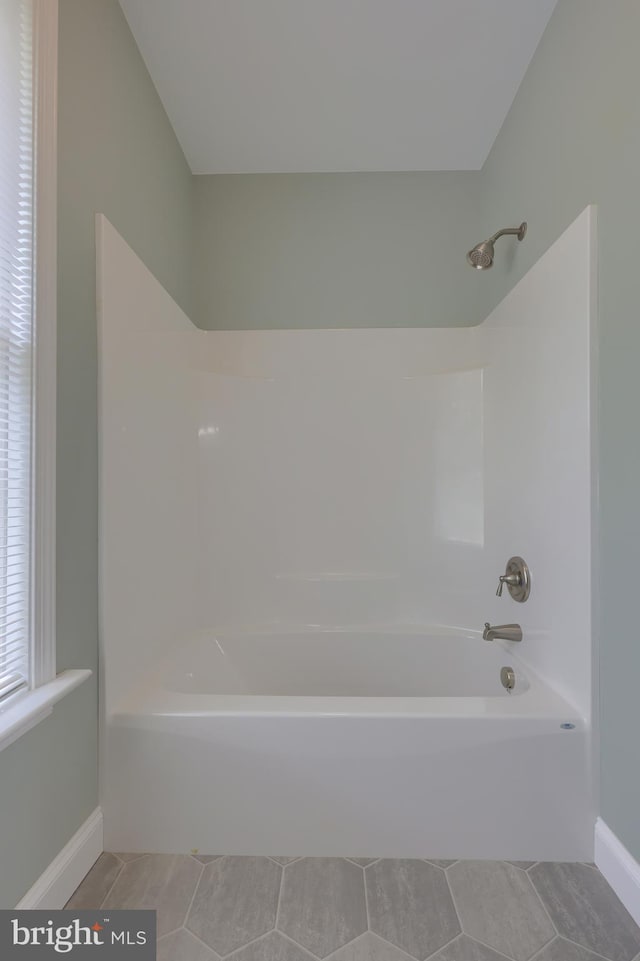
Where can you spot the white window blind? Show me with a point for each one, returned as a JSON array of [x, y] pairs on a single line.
[[16, 342]]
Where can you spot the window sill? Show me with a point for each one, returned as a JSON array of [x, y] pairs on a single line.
[[29, 709]]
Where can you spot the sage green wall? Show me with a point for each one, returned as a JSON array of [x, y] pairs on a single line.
[[572, 137], [335, 250], [117, 155]]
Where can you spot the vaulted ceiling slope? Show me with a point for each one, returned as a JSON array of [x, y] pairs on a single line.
[[264, 86]]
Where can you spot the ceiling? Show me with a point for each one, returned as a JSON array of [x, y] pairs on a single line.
[[266, 86]]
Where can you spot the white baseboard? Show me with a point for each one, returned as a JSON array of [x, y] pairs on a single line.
[[620, 868], [57, 883]]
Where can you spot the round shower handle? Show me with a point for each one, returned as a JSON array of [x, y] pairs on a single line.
[[517, 577]]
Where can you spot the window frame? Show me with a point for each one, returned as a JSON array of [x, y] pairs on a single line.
[[26, 708], [43, 498]]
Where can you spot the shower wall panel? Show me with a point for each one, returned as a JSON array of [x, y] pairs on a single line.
[[148, 459], [539, 495], [340, 477]]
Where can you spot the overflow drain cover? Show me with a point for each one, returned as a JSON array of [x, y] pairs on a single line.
[[508, 678]]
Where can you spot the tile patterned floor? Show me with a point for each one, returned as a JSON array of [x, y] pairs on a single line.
[[365, 909]]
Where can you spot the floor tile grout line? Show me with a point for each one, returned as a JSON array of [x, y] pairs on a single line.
[[544, 907], [288, 938], [507, 957], [532, 866], [443, 946], [459, 937], [113, 885], [242, 947], [199, 940], [402, 950], [131, 860], [453, 901], [139, 857], [283, 868], [167, 933], [546, 944], [543, 948], [462, 930], [429, 957], [374, 934], [193, 896], [301, 946], [366, 896], [562, 937], [176, 931], [198, 861], [594, 954], [355, 941]]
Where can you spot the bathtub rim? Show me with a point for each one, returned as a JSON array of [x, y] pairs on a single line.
[[538, 701]]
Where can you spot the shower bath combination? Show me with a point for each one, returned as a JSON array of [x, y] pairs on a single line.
[[481, 256], [306, 676]]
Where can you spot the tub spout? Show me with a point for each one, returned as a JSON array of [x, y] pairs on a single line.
[[502, 632]]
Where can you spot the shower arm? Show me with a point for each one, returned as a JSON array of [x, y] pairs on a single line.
[[519, 232]]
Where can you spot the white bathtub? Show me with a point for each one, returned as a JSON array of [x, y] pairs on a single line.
[[361, 743]]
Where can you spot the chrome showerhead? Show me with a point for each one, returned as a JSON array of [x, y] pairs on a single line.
[[481, 256]]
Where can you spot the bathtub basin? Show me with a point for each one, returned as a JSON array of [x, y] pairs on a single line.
[[365, 743]]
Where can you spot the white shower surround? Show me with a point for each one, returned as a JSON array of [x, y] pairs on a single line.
[[375, 481]]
